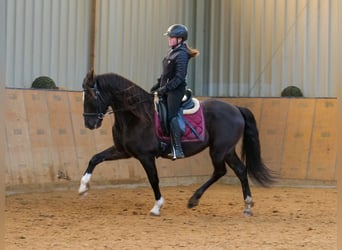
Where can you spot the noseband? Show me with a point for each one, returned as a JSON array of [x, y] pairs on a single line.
[[98, 97]]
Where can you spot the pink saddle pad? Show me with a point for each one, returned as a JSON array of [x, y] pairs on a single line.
[[197, 122]]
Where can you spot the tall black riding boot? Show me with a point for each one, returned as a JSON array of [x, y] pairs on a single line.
[[177, 151]]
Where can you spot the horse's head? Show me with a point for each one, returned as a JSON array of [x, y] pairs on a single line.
[[94, 105]]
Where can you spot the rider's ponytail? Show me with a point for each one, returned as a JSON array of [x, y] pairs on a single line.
[[191, 51]]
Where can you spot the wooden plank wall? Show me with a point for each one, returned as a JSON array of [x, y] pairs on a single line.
[[45, 135]]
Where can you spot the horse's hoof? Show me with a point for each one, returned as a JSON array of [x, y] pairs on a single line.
[[84, 194], [83, 190], [154, 214], [155, 211], [193, 202], [247, 213]]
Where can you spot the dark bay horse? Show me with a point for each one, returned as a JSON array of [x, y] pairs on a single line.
[[134, 135]]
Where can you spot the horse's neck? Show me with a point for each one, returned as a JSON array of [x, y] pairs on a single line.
[[134, 115]]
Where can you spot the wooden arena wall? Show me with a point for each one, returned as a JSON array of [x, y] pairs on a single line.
[[46, 138]]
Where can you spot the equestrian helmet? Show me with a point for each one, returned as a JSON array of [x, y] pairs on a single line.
[[177, 30]]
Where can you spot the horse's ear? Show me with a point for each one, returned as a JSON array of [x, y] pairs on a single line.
[[90, 74]]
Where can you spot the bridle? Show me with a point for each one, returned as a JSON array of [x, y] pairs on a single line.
[[98, 97], [100, 114]]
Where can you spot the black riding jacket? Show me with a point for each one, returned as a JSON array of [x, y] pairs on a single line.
[[175, 66]]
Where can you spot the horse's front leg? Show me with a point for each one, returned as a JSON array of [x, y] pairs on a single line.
[[149, 165], [109, 154]]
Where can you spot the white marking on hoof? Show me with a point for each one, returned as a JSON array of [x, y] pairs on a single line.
[[247, 212], [84, 186], [249, 203], [155, 211]]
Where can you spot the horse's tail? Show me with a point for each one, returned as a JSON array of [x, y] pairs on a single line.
[[251, 152]]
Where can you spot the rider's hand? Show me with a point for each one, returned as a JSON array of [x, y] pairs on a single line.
[[154, 87], [162, 91]]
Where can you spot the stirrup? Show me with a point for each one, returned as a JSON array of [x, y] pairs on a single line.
[[173, 156]]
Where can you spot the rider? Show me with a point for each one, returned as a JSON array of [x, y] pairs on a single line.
[[172, 84]]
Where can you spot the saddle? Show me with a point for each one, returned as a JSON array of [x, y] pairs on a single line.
[[190, 118]]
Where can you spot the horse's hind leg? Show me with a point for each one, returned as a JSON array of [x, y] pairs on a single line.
[[219, 171], [241, 172]]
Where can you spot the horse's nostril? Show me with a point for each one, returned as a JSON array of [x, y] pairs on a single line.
[[88, 125], [92, 124]]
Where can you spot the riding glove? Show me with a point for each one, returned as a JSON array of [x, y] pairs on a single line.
[[162, 91], [155, 87]]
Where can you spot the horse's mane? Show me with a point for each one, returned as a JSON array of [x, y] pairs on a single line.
[[125, 95]]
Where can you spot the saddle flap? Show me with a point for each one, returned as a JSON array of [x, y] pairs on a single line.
[[190, 108]]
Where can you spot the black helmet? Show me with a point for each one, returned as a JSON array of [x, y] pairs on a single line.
[[177, 30]]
